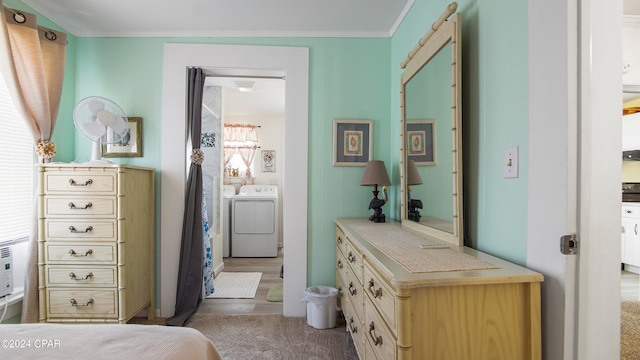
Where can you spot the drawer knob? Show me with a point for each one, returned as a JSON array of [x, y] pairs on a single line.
[[351, 258], [74, 183], [340, 265], [377, 292], [354, 329], [73, 206], [377, 340], [352, 289], [74, 277], [75, 254], [339, 239], [75, 231], [75, 303]]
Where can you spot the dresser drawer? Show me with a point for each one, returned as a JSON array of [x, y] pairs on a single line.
[[381, 295], [342, 296], [73, 303], [341, 268], [70, 229], [355, 327], [378, 335], [354, 293], [341, 242], [93, 206], [83, 276], [58, 182], [354, 258], [61, 253]]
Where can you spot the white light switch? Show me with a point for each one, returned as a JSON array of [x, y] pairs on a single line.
[[511, 162]]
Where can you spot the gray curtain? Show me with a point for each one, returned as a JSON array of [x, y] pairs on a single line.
[[190, 272]]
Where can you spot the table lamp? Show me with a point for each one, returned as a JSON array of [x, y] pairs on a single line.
[[375, 173], [413, 178]]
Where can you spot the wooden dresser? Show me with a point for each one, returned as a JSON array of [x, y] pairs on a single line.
[[95, 242], [395, 312]]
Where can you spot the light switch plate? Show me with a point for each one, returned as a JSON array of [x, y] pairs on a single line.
[[511, 162]]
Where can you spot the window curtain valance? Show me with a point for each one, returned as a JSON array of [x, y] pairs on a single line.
[[32, 61], [240, 135]]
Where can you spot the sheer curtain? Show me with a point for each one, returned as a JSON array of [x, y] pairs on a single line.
[[190, 271], [32, 60], [243, 139]]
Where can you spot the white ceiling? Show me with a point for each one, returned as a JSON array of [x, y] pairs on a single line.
[[289, 18], [267, 99]]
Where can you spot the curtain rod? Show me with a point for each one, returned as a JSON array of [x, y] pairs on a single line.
[[242, 147], [241, 125], [21, 18]]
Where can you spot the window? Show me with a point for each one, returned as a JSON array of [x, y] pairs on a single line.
[[240, 144], [17, 158], [237, 163]]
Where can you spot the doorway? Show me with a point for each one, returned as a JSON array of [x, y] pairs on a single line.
[[243, 115], [293, 62]]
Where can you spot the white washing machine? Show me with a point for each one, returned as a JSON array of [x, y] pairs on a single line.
[[228, 192], [254, 229]]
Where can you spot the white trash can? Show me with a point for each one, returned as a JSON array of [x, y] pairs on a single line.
[[322, 306]]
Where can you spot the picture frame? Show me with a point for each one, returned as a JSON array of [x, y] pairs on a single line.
[[131, 149], [421, 142], [352, 142], [268, 161]]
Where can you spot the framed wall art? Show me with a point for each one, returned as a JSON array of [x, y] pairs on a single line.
[[268, 161], [421, 147], [352, 142], [130, 146]]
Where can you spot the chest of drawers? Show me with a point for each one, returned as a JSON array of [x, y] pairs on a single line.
[[393, 313], [95, 242]]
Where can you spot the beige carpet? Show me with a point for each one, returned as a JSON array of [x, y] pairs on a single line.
[[245, 337], [630, 330]]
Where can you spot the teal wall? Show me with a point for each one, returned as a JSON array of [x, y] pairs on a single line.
[[349, 78], [495, 107], [359, 79]]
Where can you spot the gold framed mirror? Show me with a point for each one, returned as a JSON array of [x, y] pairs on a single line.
[[431, 132]]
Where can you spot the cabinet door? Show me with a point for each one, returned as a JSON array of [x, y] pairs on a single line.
[[631, 254]]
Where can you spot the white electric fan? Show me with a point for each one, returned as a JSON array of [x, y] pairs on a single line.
[[102, 121]]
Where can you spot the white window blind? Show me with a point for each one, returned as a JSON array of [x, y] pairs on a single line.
[[16, 171]]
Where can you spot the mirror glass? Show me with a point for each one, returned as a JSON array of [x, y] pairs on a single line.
[[432, 163]]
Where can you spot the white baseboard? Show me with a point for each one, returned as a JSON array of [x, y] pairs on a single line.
[[218, 269]]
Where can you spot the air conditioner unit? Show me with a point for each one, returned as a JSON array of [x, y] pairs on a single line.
[[6, 271]]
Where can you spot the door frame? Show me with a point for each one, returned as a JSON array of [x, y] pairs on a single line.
[[599, 178], [294, 62], [574, 50]]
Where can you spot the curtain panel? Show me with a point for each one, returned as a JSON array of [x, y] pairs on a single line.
[[190, 271], [32, 61]]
